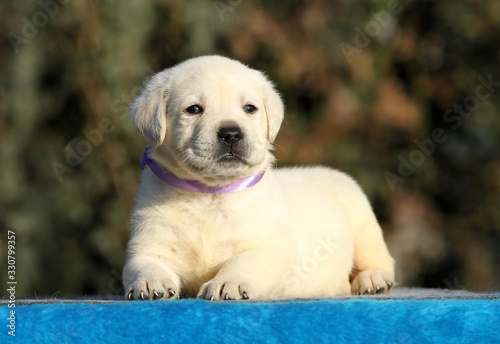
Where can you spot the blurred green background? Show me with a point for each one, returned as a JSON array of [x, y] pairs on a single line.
[[403, 95]]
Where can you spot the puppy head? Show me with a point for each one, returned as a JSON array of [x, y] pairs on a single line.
[[210, 118]]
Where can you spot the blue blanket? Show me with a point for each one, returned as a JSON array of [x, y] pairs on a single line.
[[412, 318]]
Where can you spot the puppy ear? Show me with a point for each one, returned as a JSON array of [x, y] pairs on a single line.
[[149, 110], [274, 110]]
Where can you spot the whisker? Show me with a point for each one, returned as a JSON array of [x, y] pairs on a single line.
[[275, 145]]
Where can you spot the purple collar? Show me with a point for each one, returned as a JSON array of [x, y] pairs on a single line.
[[194, 185]]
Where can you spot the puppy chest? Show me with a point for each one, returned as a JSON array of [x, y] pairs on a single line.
[[205, 243]]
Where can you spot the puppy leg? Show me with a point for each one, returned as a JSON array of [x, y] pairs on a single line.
[[373, 271], [146, 278], [251, 274]]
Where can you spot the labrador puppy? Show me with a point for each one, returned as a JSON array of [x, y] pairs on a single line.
[[213, 219]]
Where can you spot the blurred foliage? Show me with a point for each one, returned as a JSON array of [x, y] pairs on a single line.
[[362, 81]]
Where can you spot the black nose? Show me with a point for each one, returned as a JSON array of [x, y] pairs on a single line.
[[230, 135]]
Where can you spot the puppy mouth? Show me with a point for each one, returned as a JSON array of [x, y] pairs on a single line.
[[220, 157], [216, 162], [230, 158]]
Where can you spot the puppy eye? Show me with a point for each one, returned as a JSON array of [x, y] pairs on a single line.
[[194, 109], [249, 108]]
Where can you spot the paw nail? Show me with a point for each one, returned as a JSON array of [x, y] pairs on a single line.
[[157, 295], [142, 295], [212, 298], [244, 295], [130, 294], [171, 292], [226, 297]]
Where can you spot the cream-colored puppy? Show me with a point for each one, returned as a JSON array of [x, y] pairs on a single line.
[[208, 222]]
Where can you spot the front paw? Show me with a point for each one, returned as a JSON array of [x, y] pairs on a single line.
[[372, 281], [152, 289], [232, 289]]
